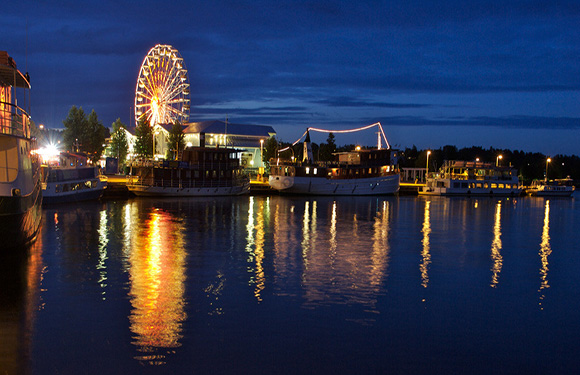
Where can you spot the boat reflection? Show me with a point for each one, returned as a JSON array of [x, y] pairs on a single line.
[[157, 286], [343, 254], [545, 251], [425, 254], [496, 247], [20, 300]]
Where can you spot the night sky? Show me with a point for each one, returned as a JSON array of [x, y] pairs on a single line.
[[503, 74]]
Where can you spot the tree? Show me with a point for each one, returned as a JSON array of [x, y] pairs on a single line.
[[269, 150], [328, 148], [143, 138], [119, 144], [96, 134], [75, 126], [84, 134], [176, 140]]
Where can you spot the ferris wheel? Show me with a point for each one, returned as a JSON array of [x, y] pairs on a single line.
[[162, 91]]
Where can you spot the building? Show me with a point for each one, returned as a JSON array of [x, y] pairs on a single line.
[[248, 138]]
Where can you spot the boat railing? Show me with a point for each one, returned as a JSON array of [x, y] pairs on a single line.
[[455, 176], [14, 120]]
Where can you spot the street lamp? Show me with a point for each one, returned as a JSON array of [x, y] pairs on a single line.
[[427, 166], [497, 160], [548, 160], [262, 150]]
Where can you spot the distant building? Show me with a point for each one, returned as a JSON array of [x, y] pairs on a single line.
[[247, 138]]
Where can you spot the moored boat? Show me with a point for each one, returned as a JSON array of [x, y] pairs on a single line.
[[357, 172], [458, 177], [20, 184], [70, 178], [552, 188], [202, 171]]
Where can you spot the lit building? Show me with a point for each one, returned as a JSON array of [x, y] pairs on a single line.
[[250, 139]]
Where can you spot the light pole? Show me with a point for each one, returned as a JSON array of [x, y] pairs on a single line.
[[548, 160], [497, 160], [427, 166], [262, 150]]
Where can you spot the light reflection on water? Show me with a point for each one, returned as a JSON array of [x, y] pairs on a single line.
[[184, 278], [496, 246], [545, 250], [157, 278]]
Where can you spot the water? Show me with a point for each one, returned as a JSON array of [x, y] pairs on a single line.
[[279, 285]]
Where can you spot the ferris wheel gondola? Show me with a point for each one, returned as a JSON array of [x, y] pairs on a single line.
[[162, 91]]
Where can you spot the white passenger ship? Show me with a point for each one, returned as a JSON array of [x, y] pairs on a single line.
[[472, 178], [70, 178], [563, 187], [358, 172]]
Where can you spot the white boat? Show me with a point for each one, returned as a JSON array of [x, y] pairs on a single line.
[[472, 178], [202, 171], [553, 188], [70, 178], [20, 184], [358, 172]]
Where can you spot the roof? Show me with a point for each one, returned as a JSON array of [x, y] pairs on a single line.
[[9, 75], [219, 127]]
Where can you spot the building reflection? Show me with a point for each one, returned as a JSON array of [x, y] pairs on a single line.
[[255, 245], [496, 246], [545, 250], [157, 285], [425, 254]]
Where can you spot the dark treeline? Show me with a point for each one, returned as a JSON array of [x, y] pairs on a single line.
[[530, 165]]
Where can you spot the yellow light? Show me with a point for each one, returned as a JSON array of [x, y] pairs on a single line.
[[358, 148], [549, 160]]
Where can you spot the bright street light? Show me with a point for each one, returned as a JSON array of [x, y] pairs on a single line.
[[427, 167], [548, 160], [497, 160]]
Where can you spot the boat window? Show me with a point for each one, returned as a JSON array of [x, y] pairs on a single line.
[[494, 186], [9, 161], [501, 186], [307, 170], [315, 170]]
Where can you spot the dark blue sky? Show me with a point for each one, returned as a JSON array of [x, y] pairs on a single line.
[[486, 73]]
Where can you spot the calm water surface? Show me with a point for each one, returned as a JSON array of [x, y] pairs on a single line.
[[281, 285]]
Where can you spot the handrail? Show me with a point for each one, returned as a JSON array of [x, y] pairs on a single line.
[[14, 120]]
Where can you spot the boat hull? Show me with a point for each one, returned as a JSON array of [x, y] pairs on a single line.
[[159, 191], [384, 185], [550, 193], [68, 197], [470, 192], [20, 219]]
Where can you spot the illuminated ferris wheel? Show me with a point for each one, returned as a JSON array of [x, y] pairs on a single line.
[[162, 92]]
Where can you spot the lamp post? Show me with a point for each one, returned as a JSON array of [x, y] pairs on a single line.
[[497, 160], [262, 151], [427, 166], [548, 160]]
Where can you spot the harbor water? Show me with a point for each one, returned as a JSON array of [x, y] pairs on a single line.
[[297, 285]]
